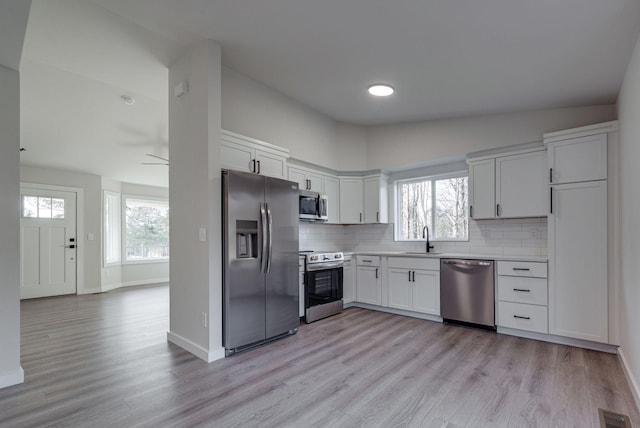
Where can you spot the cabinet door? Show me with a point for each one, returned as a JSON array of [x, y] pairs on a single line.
[[375, 199], [301, 291], [482, 188], [332, 190], [368, 285], [400, 288], [270, 165], [351, 200], [236, 156], [578, 159], [298, 176], [521, 185], [348, 284], [426, 292], [578, 261], [315, 182]]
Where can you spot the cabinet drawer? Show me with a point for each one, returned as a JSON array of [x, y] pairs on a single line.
[[523, 317], [414, 263], [534, 269], [368, 260], [522, 290]]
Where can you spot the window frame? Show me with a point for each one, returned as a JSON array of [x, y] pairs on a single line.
[[150, 199], [116, 225], [432, 178]]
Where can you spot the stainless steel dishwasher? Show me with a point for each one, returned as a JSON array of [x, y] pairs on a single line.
[[467, 292]]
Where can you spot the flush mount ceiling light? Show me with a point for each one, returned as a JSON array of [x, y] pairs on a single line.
[[380, 90], [128, 100]]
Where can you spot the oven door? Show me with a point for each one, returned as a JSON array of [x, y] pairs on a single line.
[[323, 286]]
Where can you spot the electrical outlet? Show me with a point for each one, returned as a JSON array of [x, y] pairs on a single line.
[[203, 320]]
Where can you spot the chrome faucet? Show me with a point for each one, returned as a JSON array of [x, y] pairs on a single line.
[[425, 235]]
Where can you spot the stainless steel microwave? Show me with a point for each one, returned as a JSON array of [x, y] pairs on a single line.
[[313, 206]]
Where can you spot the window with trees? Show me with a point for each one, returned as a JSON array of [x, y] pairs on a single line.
[[146, 229], [439, 202]]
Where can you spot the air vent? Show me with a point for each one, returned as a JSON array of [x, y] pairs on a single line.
[[613, 420]]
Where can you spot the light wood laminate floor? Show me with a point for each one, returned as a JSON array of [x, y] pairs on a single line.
[[103, 360]]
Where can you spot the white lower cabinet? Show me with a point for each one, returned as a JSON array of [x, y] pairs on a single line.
[[523, 316], [414, 284], [578, 302], [523, 296], [368, 281], [348, 282]]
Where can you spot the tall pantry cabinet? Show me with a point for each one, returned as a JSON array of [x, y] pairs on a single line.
[[580, 295]]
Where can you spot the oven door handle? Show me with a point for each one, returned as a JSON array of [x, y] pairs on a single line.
[[324, 266]]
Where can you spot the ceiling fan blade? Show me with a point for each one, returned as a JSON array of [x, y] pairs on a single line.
[[157, 157]]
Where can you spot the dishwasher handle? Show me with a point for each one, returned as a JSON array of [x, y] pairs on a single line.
[[466, 262]]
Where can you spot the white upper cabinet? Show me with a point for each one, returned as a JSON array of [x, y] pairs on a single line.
[[332, 190], [482, 188], [508, 186], [578, 159], [375, 199], [351, 200], [307, 180], [250, 155], [521, 185]]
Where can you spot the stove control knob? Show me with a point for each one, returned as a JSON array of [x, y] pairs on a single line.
[[338, 256]]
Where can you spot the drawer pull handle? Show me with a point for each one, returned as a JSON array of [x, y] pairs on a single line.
[[522, 269], [521, 317], [367, 261], [524, 290]]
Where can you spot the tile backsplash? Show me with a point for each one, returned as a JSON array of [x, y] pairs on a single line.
[[522, 237]]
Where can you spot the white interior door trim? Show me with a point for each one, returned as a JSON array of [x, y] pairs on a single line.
[[79, 227]]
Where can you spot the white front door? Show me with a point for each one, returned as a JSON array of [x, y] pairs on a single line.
[[48, 242]]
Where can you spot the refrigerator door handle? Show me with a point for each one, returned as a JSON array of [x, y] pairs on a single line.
[[263, 225], [270, 230]]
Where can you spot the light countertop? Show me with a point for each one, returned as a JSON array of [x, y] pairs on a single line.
[[454, 256]]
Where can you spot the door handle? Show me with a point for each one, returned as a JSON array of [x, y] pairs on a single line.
[[414, 276], [376, 273], [253, 168], [258, 162], [270, 230], [263, 225], [71, 246], [409, 276]]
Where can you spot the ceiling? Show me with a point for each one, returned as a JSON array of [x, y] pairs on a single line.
[[445, 59]]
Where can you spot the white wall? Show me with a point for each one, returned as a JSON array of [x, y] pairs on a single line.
[[414, 143], [92, 211], [629, 112], [351, 147], [195, 202], [10, 370], [255, 110]]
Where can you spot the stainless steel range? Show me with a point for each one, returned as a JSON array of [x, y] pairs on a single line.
[[322, 285]]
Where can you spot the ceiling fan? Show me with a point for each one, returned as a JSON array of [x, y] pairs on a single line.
[[165, 161]]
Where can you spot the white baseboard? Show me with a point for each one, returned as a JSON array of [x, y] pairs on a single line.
[[579, 343], [109, 287], [395, 311], [633, 383], [13, 378], [195, 349]]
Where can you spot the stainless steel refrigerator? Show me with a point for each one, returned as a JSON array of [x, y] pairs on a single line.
[[260, 259]]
